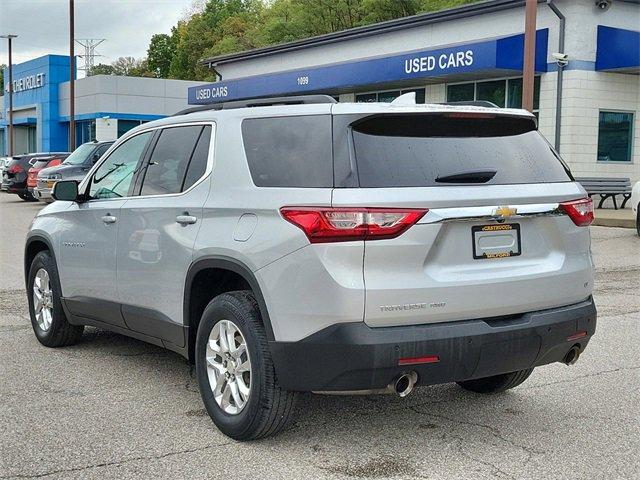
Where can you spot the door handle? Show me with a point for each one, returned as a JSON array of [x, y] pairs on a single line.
[[186, 219], [108, 219]]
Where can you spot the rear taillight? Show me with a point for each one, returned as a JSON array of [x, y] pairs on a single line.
[[346, 224], [580, 211], [15, 169]]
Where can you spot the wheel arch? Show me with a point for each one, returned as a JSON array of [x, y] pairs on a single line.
[[224, 264], [34, 245]]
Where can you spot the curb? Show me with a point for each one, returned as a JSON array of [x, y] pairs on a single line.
[[614, 222]]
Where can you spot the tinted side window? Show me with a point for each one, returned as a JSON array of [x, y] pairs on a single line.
[[113, 178], [101, 149], [289, 151], [199, 159], [169, 160]]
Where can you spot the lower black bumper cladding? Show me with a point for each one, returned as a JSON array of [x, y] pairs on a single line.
[[354, 356]]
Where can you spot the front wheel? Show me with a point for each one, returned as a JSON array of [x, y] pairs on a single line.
[[638, 220], [496, 383], [45, 307], [235, 372]]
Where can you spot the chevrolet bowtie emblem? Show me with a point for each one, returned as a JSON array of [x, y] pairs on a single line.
[[504, 212]]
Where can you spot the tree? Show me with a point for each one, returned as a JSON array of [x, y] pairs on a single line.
[[100, 69], [130, 67], [215, 27], [159, 54], [2, 67]]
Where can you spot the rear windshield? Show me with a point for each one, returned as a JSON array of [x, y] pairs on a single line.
[[289, 151], [416, 150]]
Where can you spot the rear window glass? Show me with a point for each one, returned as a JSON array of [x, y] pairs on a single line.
[[289, 151], [415, 150], [170, 159]]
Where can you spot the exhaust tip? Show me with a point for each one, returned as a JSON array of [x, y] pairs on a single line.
[[572, 355], [404, 384]]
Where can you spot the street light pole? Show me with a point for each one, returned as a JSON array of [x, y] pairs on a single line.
[[528, 74], [9, 38], [72, 78]]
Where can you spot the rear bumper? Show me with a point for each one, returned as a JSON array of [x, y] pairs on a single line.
[[353, 356]]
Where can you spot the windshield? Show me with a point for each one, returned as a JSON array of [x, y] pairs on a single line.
[[437, 150], [80, 154]]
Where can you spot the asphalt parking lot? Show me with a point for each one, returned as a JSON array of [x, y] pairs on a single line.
[[114, 407]]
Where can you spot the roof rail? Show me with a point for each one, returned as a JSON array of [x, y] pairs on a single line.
[[260, 102], [473, 103]]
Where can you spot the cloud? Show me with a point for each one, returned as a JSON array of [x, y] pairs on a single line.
[[127, 26]]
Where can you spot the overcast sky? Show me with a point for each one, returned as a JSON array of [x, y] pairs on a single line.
[[127, 26]]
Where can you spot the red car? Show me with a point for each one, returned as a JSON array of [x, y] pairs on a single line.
[[40, 163]]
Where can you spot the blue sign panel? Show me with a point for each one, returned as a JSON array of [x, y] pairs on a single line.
[[618, 50], [504, 54]]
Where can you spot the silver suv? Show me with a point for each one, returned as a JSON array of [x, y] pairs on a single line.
[[297, 244]]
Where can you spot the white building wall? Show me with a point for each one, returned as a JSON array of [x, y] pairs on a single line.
[[586, 93], [106, 129], [137, 95]]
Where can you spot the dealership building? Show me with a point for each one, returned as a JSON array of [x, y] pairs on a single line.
[[106, 106], [587, 99]]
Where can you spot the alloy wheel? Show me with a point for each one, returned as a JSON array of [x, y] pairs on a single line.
[[43, 299], [228, 367]]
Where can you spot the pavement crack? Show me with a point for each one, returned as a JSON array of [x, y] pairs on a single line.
[[115, 462], [580, 377], [492, 430]]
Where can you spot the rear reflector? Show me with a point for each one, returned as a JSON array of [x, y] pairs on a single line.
[[347, 224], [580, 211], [419, 360], [577, 336]]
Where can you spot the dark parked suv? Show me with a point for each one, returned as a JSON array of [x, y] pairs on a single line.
[[14, 177], [75, 167]]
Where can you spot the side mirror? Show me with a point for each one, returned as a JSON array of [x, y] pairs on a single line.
[[66, 190], [95, 158]]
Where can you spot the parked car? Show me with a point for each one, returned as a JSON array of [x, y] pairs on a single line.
[[39, 165], [303, 245], [4, 161], [635, 204], [74, 167], [14, 177]]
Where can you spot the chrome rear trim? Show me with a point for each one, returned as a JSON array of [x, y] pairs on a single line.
[[438, 215]]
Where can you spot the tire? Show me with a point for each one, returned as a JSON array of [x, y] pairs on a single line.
[[27, 197], [59, 332], [268, 408], [638, 220], [497, 383]]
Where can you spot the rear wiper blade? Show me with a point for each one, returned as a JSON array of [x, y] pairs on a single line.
[[469, 176]]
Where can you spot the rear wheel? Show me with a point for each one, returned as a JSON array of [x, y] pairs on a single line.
[[496, 383], [26, 197], [235, 372], [45, 308]]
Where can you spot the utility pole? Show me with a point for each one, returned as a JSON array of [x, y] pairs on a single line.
[[9, 38], [529, 54], [72, 79]]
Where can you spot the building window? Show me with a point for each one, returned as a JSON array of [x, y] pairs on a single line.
[[506, 92], [125, 125], [389, 95], [85, 132], [615, 136]]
